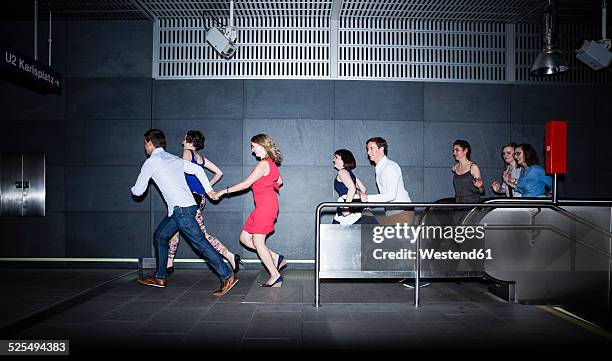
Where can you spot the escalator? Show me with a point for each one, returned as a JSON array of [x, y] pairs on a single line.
[[536, 252], [556, 255]]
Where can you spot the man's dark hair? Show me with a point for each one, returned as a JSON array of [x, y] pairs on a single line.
[[464, 145], [531, 157], [196, 138], [157, 137], [347, 158], [380, 143]]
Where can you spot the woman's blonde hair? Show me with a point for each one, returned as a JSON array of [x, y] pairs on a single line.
[[265, 141]]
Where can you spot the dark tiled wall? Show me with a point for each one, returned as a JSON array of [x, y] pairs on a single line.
[[310, 119], [92, 135]]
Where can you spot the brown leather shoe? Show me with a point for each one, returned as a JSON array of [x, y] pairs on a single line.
[[226, 286], [153, 281]]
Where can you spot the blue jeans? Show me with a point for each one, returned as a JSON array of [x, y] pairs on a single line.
[[183, 220]]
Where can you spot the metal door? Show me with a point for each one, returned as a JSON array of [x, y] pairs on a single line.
[[22, 184], [33, 184], [11, 195]]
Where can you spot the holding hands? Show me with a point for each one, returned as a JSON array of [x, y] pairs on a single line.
[[215, 196]]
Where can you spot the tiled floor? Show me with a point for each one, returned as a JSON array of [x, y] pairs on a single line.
[[354, 316], [26, 291]]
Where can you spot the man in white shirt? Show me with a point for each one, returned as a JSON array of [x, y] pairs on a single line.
[[168, 172], [390, 183]]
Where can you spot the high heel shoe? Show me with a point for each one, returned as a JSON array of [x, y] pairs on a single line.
[[170, 270], [275, 284], [281, 262], [237, 263]]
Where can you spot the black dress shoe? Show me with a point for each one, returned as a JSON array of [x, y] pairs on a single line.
[[170, 270], [237, 263]]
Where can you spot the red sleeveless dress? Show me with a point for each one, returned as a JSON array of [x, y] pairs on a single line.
[[261, 220]]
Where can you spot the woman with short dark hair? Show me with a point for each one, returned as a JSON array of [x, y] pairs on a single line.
[[193, 141], [346, 184], [533, 181]]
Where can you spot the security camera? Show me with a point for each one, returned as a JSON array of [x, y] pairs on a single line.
[[594, 54], [221, 42], [223, 38]]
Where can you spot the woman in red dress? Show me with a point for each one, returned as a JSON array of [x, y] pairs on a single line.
[[264, 180]]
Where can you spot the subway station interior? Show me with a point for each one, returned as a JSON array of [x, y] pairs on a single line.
[[81, 82]]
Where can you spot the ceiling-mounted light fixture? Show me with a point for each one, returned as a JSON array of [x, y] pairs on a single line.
[[550, 60]]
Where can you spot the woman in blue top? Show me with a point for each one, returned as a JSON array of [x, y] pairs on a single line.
[[346, 185], [533, 181], [192, 142]]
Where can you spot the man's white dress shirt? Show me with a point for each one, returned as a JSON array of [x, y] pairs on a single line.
[[168, 172], [390, 183]]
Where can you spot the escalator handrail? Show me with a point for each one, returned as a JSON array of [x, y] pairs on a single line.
[[557, 230], [560, 210]]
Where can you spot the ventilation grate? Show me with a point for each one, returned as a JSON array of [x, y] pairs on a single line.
[[292, 47], [419, 50], [366, 48]]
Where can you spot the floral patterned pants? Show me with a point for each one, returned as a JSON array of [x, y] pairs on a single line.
[[214, 241]]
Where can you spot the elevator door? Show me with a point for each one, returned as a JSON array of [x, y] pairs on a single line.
[[22, 184]]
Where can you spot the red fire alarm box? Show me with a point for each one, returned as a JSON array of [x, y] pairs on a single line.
[[556, 147]]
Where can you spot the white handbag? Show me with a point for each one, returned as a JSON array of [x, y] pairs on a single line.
[[348, 219]]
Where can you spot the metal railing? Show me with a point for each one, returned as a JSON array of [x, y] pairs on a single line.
[[494, 203], [555, 207]]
